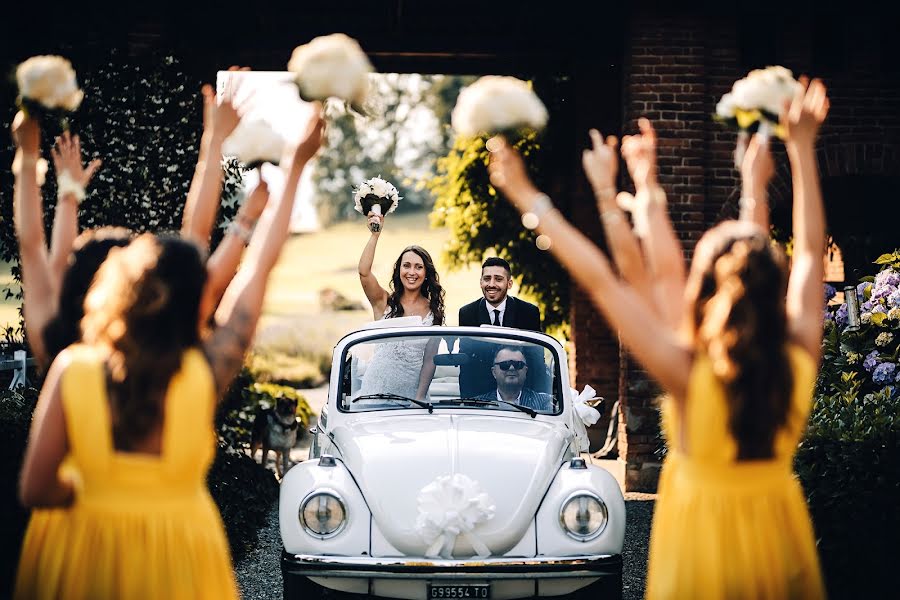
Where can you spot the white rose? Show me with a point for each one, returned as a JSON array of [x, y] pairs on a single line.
[[765, 89], [50, 81], [254, 141], [380, 187], [494, 104], [331, 65], [725, 107]]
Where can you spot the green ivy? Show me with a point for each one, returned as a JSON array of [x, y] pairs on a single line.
[[482, 223]]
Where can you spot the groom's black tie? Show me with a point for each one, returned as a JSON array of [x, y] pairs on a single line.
[[496, 317]]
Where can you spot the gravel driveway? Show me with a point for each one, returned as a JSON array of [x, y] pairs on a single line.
[[259, 574]]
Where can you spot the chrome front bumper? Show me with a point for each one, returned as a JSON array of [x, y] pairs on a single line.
[[591, 565]]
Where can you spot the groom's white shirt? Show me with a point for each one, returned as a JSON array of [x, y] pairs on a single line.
[[491, 308]]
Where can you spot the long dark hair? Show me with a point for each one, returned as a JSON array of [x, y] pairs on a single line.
[[736, 302], [431, 287], [143, 309], [89, 251]]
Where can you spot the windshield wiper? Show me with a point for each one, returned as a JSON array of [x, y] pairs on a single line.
[[479, 402], [420, 403]]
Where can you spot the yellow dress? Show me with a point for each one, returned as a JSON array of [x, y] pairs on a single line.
[[141, 526], [729, 529]]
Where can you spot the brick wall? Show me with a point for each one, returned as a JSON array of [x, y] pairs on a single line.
[[674, 72]]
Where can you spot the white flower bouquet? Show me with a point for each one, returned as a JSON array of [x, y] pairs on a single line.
[[755, 103], [47, 86], [375, 195], [254, 142], [332, 66], [495, 105]]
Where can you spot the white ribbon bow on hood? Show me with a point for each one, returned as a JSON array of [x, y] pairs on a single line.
[[451, 506]]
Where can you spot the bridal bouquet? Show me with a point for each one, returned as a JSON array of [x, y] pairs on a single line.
[[495, 105], [47, 85], [755, 103], [254, 142], [332, 65], [375, 195]]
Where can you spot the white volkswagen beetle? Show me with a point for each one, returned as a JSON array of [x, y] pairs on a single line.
[[464, 482]]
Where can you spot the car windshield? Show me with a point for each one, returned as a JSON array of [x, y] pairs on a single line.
[[435, 372]]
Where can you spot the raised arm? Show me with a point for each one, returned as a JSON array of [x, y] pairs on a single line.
[[238, 313], [653, 342], [219, 121], [757, 171], [72, 179], [664, 254], [223, 263], [39, 291], [601, 163], [376, 294], [804, 297]]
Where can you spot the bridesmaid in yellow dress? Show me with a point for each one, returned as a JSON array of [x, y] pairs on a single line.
[[130, 411], [735, 344]]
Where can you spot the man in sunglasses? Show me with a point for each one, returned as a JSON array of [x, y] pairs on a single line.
[[510, 371]]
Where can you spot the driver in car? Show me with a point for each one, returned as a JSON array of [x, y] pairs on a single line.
[[510, 371]]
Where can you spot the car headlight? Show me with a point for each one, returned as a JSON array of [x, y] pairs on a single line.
[[323, 514], [583, 516]]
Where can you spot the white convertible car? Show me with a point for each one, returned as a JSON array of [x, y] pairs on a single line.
[[437, 485]]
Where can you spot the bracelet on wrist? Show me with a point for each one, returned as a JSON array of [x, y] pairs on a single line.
[[746, 206], [240, 230], [613, 215], [66, 185], [540, 206]]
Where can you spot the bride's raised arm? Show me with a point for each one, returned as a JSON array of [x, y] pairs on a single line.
[[376, 294]]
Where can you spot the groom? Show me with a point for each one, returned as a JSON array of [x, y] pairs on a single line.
[[497, 308]]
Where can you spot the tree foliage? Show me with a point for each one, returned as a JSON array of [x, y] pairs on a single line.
[[405, 130], [481, 223], [143, 118]]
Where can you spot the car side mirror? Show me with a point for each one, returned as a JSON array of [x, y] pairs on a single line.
[[451, 360]]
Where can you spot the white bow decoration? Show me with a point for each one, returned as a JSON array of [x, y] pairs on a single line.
[[450, 506], [586, 415]]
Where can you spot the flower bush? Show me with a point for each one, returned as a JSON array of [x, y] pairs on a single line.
[[849, 462]]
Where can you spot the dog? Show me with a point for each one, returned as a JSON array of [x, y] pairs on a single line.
[[276, 429]]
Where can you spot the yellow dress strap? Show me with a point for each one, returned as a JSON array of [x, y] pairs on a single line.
[[83, 397], [190, 409]]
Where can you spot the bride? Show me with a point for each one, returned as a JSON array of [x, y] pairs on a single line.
[[404, 368]]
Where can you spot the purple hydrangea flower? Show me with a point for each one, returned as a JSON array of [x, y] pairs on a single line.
[[887, 277], [829, 292], [870, 361], [865, 306], [841, 316], [877, 307], [894, 299], [882, 291], [861, 289], [884, 373]]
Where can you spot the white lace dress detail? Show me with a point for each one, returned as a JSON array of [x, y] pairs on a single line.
[[395, 366]]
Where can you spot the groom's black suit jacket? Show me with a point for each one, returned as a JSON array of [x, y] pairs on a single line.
[[475, 377], [519, 314]]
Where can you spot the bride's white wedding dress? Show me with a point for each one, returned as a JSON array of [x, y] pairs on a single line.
[[395, 366]]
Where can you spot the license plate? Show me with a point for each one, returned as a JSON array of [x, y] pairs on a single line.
[[459, 590]]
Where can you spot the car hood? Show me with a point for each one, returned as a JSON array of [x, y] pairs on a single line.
[[513, 460]]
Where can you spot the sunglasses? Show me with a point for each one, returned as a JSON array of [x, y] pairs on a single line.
[[506, 365]]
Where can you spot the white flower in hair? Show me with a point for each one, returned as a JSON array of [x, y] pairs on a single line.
[[496, 104], [50, 82], [254, 142], [331, 65]]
